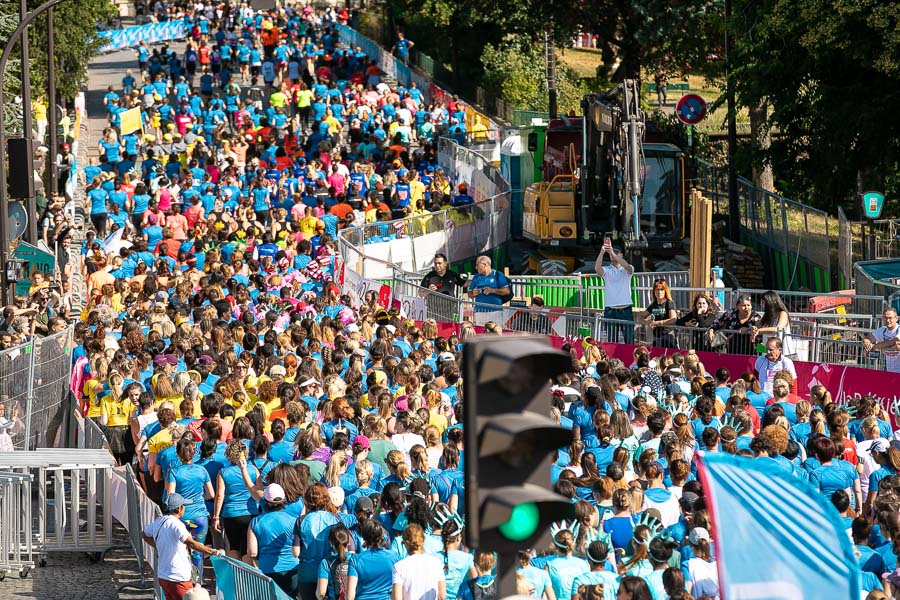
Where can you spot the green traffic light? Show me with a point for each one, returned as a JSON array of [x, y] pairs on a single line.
[[522, 523]]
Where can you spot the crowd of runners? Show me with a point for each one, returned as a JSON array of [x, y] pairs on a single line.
[[321, 441]]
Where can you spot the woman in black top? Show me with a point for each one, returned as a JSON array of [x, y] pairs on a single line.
[[740, 325], [660, 314], [702, 316]]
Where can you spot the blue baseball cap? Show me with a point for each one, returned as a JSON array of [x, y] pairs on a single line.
[[176, 501]]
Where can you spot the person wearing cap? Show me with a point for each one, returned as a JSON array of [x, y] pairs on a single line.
[[269, 542], [866, 449], [462, 198], [488, 288], [701, 575], [170, 537], [617, 284]]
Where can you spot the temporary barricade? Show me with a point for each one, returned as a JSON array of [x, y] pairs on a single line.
[[74, 497], [555, 291], [89, 434], [809, 302], [239, 581], [134, 510], [34, 389], [16, 535]]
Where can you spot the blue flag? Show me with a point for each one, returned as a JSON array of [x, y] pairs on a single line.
[[776, 538]]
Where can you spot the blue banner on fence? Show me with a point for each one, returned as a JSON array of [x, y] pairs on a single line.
[[130, 37], [776, 537]]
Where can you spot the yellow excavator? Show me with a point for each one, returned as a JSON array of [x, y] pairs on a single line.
[[629, 184]]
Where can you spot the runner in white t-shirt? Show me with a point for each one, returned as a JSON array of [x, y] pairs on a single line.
[[419, 576]]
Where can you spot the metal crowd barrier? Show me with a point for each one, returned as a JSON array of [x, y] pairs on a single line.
[[801, 302], [34, 389], [89, 434], [17, 547], [139, 511], [236, 580], [74, 498]]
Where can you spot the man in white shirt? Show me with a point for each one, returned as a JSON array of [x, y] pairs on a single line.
[[617, 282], [772, 362], [170, 537], [885, 338]]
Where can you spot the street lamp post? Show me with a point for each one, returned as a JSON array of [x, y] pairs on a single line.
[[25, 20]]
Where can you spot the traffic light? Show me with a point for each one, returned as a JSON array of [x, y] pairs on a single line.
[[509, 442]]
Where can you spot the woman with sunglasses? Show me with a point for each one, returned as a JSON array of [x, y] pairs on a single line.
[[661, 313]]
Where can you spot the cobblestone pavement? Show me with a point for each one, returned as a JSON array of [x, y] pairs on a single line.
[[78, 576]]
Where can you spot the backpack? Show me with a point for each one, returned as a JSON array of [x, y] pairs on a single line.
[[483, 592], [339, 573], [503, 282]]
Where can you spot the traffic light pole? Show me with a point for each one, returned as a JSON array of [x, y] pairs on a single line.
[[509, 441]]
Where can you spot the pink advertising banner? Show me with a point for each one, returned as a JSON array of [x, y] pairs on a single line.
[[844, 382]]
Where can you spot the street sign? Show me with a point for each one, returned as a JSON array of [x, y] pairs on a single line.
[[873, 203], [35, 260], [690, 109]]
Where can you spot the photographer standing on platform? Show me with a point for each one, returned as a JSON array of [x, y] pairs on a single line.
[[617, 283]]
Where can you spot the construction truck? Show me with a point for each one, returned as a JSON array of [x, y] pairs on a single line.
[[607, 173]]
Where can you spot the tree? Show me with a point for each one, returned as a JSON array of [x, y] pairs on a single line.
[[514, 70], [673, 35], [830, 71], [76, 43]]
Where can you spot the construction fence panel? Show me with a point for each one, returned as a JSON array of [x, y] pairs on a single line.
[[793, 238], [15, 370], [34, 390]]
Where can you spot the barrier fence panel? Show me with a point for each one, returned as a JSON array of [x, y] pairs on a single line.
[[74, 509], [16, 528], [34, 389], [563, 291], [236, 580], [89, 434], [813, 302], [15, 370], [139, 511]]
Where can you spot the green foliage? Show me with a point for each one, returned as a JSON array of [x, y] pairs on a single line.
[[673, 35], [831, 71], [515, 72], [76, 42]]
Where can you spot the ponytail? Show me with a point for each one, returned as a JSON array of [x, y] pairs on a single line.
[[449, 532]]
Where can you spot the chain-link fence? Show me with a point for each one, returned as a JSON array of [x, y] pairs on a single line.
[[794, 239], [34, 390]]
